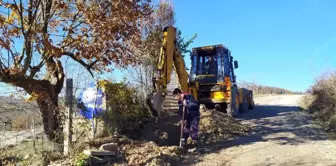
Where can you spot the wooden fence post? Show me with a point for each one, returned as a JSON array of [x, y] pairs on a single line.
[[105, 113], [68, 117]]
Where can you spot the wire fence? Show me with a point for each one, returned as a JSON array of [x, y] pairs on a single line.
[[21, 130], [22, 136]]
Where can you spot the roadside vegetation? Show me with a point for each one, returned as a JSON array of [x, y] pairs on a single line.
[[321, 102]]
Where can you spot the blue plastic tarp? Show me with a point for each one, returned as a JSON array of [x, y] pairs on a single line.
[[90, 101]]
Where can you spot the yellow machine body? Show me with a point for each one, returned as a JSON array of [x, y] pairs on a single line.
[[211, 79]]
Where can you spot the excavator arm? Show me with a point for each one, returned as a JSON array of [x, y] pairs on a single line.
[[169, 55]]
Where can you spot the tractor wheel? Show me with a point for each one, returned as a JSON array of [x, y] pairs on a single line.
[[251, 101], [243, 107], [233, 107]]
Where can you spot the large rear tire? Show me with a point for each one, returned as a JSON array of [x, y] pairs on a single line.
[[251, 101], [243, 107], [233, 107]]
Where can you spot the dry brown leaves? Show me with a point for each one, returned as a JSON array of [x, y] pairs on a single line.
[[108, 31], [96, 33], [136, 153], [214, 127], [148, 153]]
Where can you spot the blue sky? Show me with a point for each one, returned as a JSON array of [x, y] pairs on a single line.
[[283, 43], [278, 43]]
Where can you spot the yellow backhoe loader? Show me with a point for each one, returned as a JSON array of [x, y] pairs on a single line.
[[211, 79]]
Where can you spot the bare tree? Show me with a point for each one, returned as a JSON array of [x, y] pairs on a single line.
[[162, 17]]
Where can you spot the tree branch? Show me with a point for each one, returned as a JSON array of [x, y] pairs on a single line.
[[28, 36], [36, 9], [7, 47], [21, 18], [37, 68], [88, 67], [1, 67]]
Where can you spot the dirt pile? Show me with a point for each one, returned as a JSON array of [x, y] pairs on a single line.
[[217, 126], [214, 127]]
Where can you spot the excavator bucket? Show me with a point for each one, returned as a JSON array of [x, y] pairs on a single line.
[[154, 102]]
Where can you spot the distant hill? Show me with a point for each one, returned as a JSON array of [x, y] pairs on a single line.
[[262, 89], [15, 113]]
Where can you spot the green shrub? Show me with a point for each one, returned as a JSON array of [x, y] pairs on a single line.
[[126, 110], [81, 159]]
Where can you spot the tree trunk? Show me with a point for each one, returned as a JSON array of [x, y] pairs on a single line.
[[52, 119], [45, 92], [46, 95]]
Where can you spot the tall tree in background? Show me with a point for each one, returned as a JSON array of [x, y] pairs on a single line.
[[162, 17], [93, 34]]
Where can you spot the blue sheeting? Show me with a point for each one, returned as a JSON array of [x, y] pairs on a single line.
[[90, 100]]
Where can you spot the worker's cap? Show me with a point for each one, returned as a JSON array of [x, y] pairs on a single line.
[[177, 91]]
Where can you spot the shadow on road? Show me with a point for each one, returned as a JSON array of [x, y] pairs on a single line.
[[265, 111], [285, 125]]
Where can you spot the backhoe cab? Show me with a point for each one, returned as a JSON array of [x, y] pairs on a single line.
[[212, 73]]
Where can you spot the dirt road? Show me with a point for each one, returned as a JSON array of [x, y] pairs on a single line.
[[281, 136]]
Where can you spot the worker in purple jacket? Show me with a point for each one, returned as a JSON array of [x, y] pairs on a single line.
[[191, 117]]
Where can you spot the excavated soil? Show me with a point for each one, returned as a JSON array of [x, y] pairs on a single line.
[[158, 143], [217, 126], [159, 146]]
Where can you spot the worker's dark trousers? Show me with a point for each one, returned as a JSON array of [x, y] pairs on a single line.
[[191, 129]]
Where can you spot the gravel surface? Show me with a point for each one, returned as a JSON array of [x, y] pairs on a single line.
[[282, 135]]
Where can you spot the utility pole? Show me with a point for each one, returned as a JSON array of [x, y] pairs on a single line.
[[68, 117]]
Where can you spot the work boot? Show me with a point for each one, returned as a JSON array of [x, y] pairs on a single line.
[[156, 120], [199, 146], [183, 143], [183, 146]]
